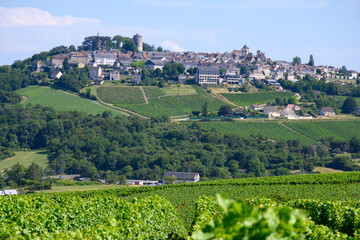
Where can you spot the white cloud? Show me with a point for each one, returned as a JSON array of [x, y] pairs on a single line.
[[167, 45], [28, 16]]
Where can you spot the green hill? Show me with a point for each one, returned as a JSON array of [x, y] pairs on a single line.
[[246, 99]]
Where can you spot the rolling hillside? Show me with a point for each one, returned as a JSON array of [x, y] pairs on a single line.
[[62, 101]]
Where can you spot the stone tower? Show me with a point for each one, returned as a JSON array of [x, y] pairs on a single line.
[[138, 41]]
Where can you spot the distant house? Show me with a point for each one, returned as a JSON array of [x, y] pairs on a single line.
[[105, 58], [154, 64], [182, 78], [137, 79], [288, 113], [292, 107], [327, 111], [56, 61], [256, 107], [79, 58], [95, 71], [56, 74], [114, 75], [238, 111], [271, 111], [207, 75], [184, 176]]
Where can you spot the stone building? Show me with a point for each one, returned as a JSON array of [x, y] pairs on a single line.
[[139, 42]]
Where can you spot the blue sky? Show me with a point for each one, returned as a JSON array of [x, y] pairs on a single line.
[[328, 29]]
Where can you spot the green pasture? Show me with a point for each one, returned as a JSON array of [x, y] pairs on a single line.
[[62, 101], [25, 158]]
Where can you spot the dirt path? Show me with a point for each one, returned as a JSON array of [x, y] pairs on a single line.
[[24, 99], [146, 99], [222, 98], [120, 109], [291, 129]]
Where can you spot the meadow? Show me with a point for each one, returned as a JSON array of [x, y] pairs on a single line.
[[121, 95], [25, 158], [246, 99], [62, 101]]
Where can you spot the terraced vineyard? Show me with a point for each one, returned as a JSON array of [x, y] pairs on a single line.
[[246, 99], [121, 95], [342, 130], [189, 103], [153, 92], [271, 130]]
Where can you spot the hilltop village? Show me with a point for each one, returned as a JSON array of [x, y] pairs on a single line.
[[212, 68]]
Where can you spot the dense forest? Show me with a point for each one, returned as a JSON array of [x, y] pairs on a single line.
[[141, 148]]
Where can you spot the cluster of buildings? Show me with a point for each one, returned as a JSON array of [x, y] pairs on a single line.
[[287, 111], [209, 65]]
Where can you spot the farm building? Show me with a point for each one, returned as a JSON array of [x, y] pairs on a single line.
[[271, 111], [184, 176], [327, 111]]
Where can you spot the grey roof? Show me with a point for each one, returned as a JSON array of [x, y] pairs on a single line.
[[181, 175], [208, 70], [327, 109], [105, 55], [154, 62], [272, 109]]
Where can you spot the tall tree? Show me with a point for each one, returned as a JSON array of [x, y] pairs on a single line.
[[311, 61], [205, 109], [296, 60], [66, 64], [33, 172], [349, 105]]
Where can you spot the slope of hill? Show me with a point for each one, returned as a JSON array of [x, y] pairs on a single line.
[[25, 159], [62, 101]]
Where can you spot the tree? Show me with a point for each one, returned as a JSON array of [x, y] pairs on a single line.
[[296, 60], [243, 70], [225, 110], [2, 181], [169, 180], [72, 48], [159, 49], [349, 105], [354, 145], [33, 172], [205, 109], [122, 180], [66, 64], [292, 100], [311, 61], [16, 173]]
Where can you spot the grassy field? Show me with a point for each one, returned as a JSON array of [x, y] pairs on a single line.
[[271, 130], [179, 90], [246, 99], [61, 101], [121, 95], [25, 158], [341, 130]]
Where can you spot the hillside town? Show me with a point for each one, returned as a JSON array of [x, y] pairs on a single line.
[[234, 67]]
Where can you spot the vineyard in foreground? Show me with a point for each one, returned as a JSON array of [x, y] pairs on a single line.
[[177, 211]]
